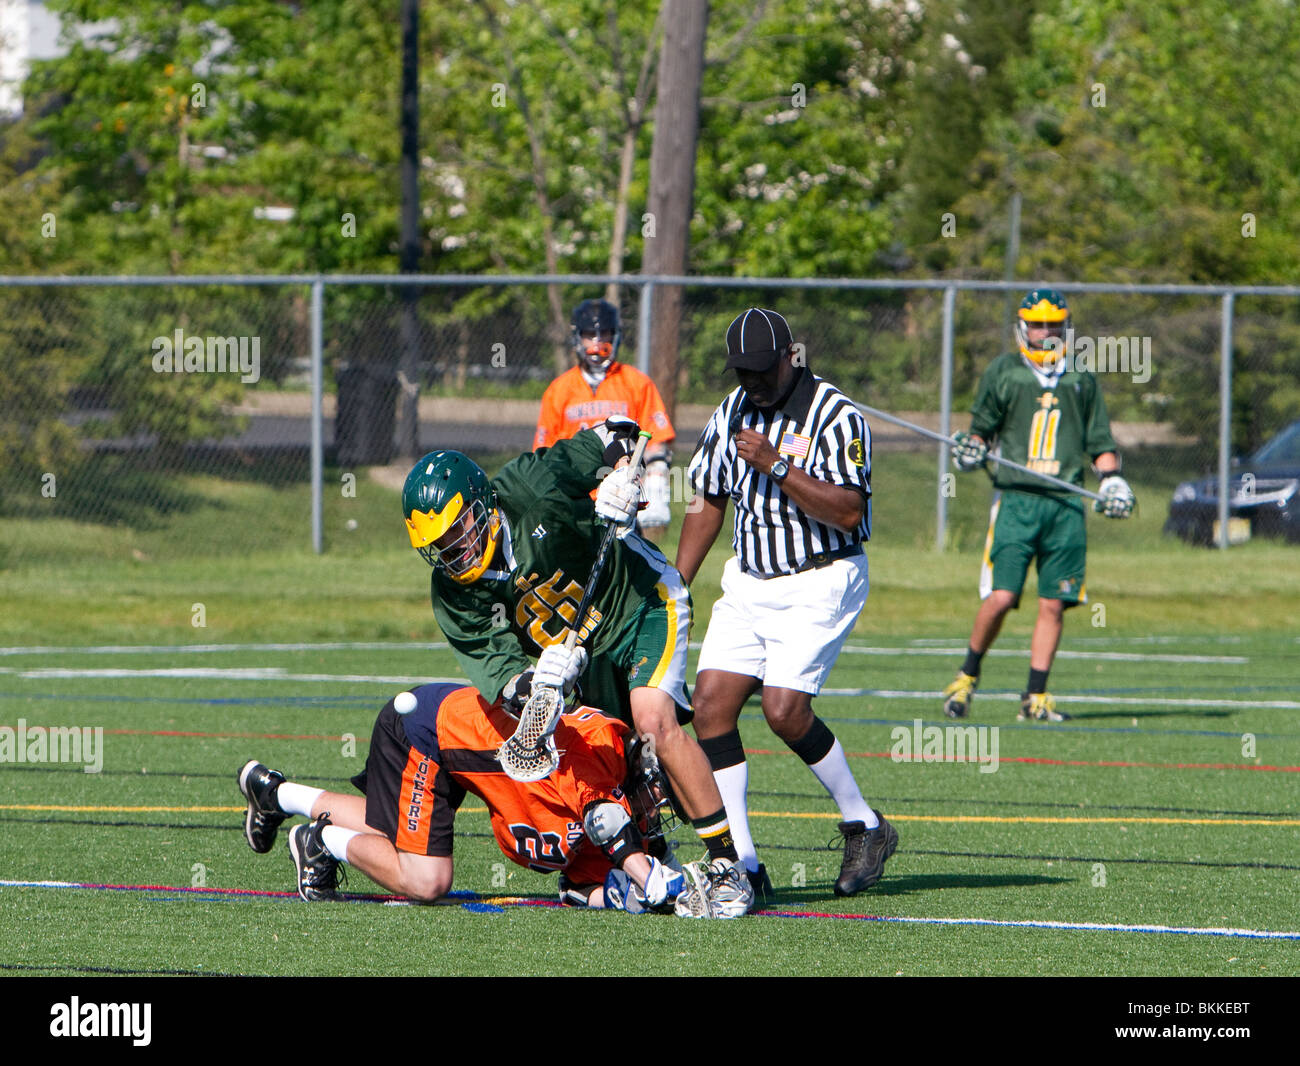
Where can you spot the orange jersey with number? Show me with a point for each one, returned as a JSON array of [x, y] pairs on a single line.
[[537, 824], [570, 404]]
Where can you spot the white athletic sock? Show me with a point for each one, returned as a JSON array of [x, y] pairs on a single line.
[[836, 777], [335, 838], [297, 799], [733, 782]]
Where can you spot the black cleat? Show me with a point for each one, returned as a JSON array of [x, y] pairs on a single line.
[[764, 894], [318, 870], [865, 852], [262, 822]]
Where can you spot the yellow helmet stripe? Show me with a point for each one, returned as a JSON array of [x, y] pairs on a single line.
[[1044, 311]]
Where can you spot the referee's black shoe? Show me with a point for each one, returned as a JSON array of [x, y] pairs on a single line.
[[764, 894], [865, 852]]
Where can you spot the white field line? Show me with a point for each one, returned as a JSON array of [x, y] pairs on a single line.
[[1114, 701], [1113, 656], [1259, 934], [204, 649], [217, 673], [1093, 927], [276, 673], [853, 649]]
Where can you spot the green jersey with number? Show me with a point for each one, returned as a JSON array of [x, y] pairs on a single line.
[[529, 595], [1057, 429]]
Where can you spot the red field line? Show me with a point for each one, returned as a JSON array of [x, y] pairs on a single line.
[[1032, 760], [1026, 759], [225, 736]]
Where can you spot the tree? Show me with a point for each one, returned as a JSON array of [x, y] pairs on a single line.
[[672, 178]]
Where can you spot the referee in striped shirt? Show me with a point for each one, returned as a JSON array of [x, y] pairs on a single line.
[[794, 455]]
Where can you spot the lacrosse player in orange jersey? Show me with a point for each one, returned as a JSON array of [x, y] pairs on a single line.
[[599, 820], [600, 387]]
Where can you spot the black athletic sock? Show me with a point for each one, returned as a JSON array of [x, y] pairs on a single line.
[[1037, 680], [972, 664], [715, 831]]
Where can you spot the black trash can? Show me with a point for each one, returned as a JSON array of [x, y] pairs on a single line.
[[367, 414]]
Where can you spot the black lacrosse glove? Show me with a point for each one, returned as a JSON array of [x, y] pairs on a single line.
[[619, 434], [516, 692]]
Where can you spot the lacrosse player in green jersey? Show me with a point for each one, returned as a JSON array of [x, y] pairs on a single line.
[[510, 559], [1051, 418]]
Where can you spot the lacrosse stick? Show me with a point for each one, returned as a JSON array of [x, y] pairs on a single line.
[[992, 458], [529, 754]]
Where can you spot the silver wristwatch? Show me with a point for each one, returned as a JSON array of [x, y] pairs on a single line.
[[779, 471]]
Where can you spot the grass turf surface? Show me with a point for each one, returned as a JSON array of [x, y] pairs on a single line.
[[1182, 844], [1150, 780]]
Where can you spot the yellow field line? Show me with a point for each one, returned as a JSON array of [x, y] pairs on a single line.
[[1026, 818]]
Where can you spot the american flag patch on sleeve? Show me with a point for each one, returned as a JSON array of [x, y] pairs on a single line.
[[795, 444]]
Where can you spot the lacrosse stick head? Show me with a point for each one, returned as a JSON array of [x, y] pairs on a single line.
[[529, 754]]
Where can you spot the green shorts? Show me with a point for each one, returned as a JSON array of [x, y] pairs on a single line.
[[650, 652], [1024, 526]]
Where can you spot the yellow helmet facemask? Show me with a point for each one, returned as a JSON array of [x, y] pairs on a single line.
[[459, 540], [1048, 350]]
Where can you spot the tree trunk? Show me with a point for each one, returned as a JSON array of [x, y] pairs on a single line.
[[672, 179], [408, 371], [618, 243]]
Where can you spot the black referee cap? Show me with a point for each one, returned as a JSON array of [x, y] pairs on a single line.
[[755, 339]]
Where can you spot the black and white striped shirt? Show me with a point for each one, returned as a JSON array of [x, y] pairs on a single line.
[[818, 429]]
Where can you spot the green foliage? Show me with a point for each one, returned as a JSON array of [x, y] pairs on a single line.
[[799, 139], [1133, 136], [174, 125], [36, 368], [833, 139]]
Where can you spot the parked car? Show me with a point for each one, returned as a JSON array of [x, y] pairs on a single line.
[[1264, 500]]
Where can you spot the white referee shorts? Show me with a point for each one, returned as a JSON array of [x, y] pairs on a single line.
[[786, 631]]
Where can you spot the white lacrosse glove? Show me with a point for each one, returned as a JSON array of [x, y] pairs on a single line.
[[1117, 499], [658, 496], [559, 668], [662, 887], [664, 884], [968, 452], [618, 498]]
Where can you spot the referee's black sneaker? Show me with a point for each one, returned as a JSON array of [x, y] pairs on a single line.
[[764, 894], [865, 852], [259, 784], [318, 870]]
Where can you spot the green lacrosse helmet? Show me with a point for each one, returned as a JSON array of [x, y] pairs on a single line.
[[1043, 308], [451, 515]]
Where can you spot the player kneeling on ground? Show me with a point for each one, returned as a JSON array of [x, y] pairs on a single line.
[[599, 820]]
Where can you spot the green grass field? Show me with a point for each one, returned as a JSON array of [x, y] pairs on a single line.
[[1169, 801]]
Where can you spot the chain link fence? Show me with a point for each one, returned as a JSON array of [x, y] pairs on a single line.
[[129, 404]]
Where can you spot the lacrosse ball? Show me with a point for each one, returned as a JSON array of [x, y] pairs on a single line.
[[404, 702]]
